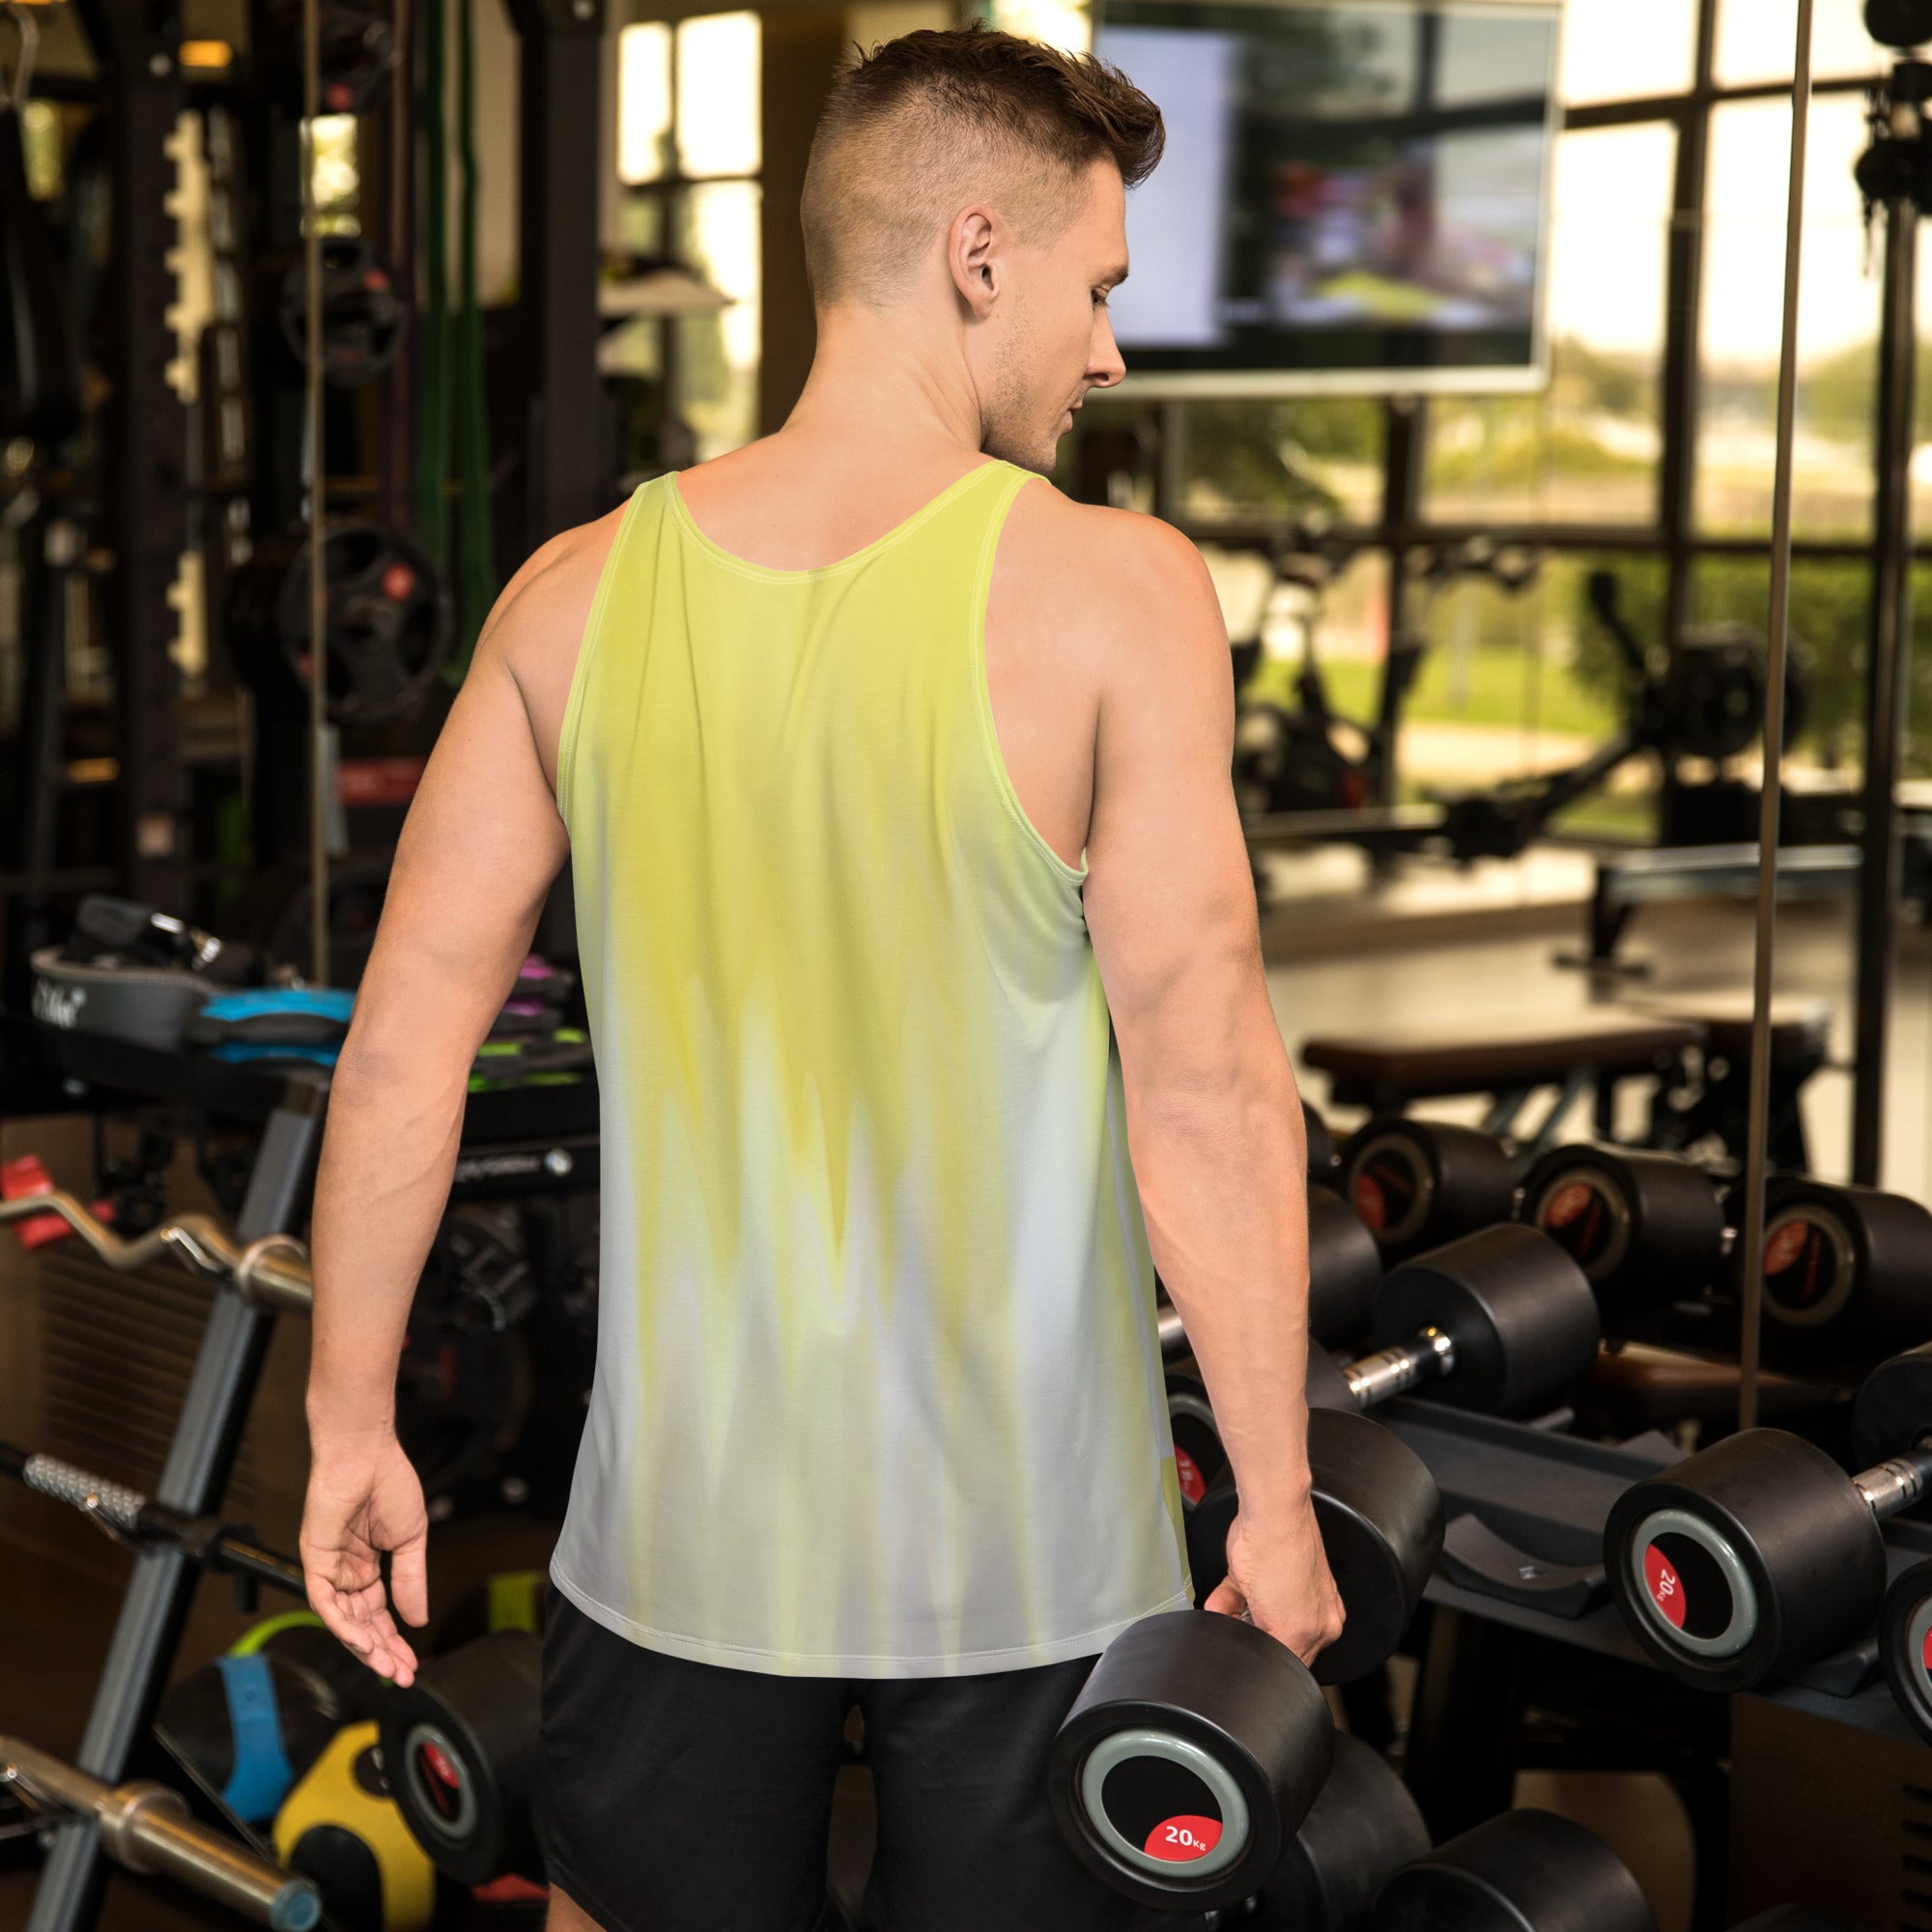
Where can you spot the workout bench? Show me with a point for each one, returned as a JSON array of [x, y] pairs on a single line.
[[1388, 1071]]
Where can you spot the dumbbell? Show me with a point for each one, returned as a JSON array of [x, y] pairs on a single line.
[[1344, 1269], [1199, 1743], [1647, 1229], [1524, 1871], [464, 1755], [1380, 1518], [1501, 1321], [1363, 1829], [1760, 1553], [1418, 1183], [1847, 1272]]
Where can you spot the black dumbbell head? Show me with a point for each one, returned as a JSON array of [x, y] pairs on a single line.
[[464, 1756], [1893, 1410], [1751, 1557], [1381, 1517], [1362, 1829], [1525, 1871], [1418, 1183], [1521, 1316], [1905, 1645], [1344, 1269], [1847, 1273], [1646, 1229], [1189, 1759]]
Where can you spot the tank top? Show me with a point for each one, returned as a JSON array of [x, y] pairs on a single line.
[[878, 1388]]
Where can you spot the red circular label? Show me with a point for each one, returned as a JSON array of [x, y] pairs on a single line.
[[442, 1779], [1925, 1653], [1785, 1247], [1371, 1203], [1666, 1589], [399, 583], [1192, 1485], [1182, 1839], [374, 280], [338, 96], [1567, 1203]]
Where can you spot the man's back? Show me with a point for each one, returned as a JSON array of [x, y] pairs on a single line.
[[873, 1266]]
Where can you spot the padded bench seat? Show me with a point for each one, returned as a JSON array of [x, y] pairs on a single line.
[[1387, 1069]]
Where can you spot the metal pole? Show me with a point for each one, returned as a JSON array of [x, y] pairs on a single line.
[[1778, 654], [317, 470], [1885, 682]]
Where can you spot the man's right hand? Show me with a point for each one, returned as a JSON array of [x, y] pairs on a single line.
[[364, 1501], [1278, 1575]]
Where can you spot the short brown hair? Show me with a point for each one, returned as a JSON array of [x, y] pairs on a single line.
[[930, 115]]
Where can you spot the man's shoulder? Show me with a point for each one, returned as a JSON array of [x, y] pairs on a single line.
[[1127, 583], [1116, 558], [545, 606]]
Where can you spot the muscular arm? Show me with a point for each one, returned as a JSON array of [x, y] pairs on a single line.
[[1214, 1127], [481, 847]]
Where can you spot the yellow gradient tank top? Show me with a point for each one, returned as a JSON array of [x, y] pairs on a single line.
[[878, 1388]]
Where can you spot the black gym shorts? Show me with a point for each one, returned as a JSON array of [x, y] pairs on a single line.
[[687, 1798]]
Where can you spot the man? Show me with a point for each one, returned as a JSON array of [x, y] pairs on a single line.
[[896, 790]]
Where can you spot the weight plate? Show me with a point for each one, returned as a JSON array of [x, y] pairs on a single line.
[[363, 315]]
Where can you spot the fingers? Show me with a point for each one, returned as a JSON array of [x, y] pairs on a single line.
[[409, 1580], [1226, 1600]]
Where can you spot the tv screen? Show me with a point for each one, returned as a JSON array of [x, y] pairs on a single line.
[[1354, 194]]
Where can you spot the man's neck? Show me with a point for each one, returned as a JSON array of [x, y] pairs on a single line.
[[893, 383]]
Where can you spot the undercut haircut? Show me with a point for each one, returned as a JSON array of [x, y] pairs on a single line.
[[926, 123]]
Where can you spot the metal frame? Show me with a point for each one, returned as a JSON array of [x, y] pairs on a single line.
[[144, 499], [206, 1436], [562, 46]]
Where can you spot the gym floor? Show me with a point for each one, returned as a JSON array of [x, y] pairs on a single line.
[[1469, 955]]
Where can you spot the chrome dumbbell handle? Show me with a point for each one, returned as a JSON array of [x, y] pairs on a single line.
[[1376, 1378], [146, 1829]]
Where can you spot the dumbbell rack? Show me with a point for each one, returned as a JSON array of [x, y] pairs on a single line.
[[1541, 1498], [514, 1141]]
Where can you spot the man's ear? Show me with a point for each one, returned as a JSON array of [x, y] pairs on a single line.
[[972, 254]]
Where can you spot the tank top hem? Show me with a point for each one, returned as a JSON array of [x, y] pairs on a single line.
[[806, 1664]]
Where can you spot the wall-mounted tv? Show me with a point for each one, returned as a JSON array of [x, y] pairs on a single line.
[[1355, 194]]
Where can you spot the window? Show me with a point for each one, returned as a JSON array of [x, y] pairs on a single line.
[[1626, 49], [688, 151], [1743, 305], [1587, 450]]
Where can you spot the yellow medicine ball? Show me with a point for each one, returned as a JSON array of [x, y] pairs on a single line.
[[340, 1827]]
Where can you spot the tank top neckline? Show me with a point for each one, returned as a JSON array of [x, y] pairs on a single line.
[[731, 560]]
